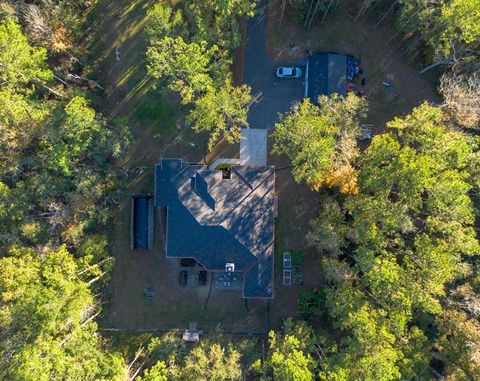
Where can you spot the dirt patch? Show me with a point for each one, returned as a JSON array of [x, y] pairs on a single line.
[[380, 63]]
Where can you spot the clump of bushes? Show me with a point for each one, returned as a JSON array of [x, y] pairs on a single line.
[[309, 301]]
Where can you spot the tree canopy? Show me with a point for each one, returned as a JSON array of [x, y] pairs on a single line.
[[196, 65], [222, 112], [46, 320], [289, 356], [410, 233], [321, 140], [55, 181]]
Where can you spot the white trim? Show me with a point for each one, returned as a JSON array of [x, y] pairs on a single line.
[[221, 161]]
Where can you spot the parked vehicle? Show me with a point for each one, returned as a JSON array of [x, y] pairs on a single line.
[[288, 72]]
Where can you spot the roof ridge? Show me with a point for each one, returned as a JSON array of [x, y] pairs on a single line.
[[244, 198], [242, 178], [249, 210]]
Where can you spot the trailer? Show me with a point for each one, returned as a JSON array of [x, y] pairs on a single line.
[[142, 221]]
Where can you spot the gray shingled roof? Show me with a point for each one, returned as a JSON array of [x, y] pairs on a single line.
[[217, 221], [326, 74]]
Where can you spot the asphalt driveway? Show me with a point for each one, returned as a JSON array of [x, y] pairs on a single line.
[[272, 95]]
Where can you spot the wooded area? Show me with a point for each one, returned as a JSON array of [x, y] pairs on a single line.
[[397, 226]]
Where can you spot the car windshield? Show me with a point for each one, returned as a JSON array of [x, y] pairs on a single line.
[[287, 71]]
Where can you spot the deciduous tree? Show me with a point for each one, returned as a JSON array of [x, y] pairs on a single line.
[[211, 362], [321, 140], [186, 66], [289, 357], [46, 320], [216, 21], [20, 113], [458, 345], [461, 95], [222, 112], [165, 21]]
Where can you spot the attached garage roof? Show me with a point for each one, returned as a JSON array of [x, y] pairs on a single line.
[[326, 74]]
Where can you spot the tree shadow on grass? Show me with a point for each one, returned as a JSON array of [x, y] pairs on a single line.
[[152, 109]]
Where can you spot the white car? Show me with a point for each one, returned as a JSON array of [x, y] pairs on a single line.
[[288, 72]]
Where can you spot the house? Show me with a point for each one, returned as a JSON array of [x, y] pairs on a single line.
[[325, 74], [224, 219]]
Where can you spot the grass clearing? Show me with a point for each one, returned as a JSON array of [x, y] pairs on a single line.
[[153, 109]]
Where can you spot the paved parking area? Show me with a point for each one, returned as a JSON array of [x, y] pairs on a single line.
[[271, 94]]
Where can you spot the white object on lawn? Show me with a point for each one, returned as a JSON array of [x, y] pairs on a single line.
[[287, 260]]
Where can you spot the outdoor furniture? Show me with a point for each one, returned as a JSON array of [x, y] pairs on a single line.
[[287, 277], [287, 260], [190, 337], [149, 294]]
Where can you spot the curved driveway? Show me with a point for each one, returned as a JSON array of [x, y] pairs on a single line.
[[272, 95]]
